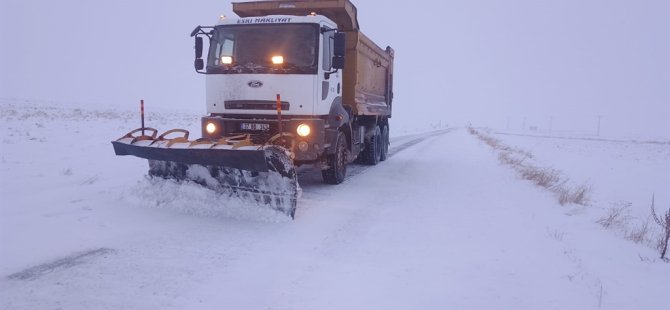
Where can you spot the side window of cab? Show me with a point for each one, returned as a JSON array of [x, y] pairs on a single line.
[[328, 48]]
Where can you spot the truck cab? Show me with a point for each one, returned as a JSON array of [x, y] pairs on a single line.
[[261, 67]]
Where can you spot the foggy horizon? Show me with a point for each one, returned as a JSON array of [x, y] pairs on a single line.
[[527, 64]]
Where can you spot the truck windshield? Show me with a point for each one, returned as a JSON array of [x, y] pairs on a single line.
[[267, 48]]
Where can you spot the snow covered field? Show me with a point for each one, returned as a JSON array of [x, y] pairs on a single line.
[[440, 225], [619, 172]]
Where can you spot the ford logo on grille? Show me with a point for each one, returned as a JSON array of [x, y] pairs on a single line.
[[255, 84]]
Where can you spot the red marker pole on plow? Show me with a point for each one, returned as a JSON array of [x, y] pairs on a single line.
[[279, 113], [142, 114]]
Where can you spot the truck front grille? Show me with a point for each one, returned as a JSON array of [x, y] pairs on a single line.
[[255, 105]]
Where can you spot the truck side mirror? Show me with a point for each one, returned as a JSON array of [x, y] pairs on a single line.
[[338, 62], [338, 50], [199, 64], [339, 46], [198, 47]]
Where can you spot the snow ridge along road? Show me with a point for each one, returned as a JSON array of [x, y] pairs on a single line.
[[439, 225]]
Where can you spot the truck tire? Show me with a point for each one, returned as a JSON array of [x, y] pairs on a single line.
[[373, 149], [385, 143], [337, 162]]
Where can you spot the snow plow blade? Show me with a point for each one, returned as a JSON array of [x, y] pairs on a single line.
[[264, 173]]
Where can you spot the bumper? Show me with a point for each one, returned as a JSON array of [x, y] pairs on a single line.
[[307, 148]]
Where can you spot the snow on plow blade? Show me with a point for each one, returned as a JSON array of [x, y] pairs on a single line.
[[264, 173]]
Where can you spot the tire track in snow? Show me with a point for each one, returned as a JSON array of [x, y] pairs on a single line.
[[59, 264], [356, 169], [341, 228], [311, 176]]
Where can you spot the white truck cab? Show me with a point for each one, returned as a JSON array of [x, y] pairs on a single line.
[[253, 59]]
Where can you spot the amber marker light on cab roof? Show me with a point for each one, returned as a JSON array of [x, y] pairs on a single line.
[[226, 60]]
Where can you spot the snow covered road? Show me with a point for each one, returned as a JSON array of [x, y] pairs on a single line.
[[438, 225]]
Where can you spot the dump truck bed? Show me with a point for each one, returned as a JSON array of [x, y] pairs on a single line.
[[368, 76], [342, 12]]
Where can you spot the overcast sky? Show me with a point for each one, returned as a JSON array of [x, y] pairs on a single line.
[[499, 63]]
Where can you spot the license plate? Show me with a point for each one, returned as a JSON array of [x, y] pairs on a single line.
[[255, 126]]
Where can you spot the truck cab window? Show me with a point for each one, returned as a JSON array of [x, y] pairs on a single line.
[[328, 48]]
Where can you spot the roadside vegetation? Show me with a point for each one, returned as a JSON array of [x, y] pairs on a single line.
[[617, 217], [548, 178], [664, 221]]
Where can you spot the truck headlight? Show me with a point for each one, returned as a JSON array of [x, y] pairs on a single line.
[[304, 130], [277, 60], [211, 128]]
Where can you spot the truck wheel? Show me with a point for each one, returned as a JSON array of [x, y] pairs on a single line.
[[373, 149], [385, 143], [337, 163]]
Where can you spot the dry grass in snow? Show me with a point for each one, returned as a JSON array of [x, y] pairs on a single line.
[[664, 222], [548, 178], [616, 218]]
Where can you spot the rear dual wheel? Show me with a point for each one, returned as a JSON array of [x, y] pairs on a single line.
[[385, 143], [373, 149], [376, 149]]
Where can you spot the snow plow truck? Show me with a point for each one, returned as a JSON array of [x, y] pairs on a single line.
[[287, 83]]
